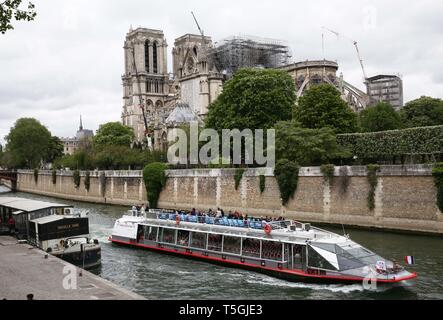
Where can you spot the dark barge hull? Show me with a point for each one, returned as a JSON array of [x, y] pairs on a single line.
[[285, 274], [92, 258]]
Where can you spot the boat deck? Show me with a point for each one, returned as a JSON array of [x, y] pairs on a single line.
[[247, 228]]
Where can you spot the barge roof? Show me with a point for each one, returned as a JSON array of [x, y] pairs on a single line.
[[28, 205]]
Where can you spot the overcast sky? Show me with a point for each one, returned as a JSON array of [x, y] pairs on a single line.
[[69, 61]]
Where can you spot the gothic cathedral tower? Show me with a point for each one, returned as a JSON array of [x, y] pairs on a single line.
[[145, 77]]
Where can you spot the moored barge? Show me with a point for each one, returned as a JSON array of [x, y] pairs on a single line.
[[52, 227], [285, 249]]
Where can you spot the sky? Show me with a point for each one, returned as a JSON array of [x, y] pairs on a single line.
[[69, 61]]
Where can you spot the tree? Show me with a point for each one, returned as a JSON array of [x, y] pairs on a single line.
[[28, 143], [306, 146], [119, 157], [254, 99], [421, 112], [55, 149], [321, 106], [380, 117], [113, 134], [10, 9]]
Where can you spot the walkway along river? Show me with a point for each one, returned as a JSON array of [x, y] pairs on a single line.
[[158, 276]]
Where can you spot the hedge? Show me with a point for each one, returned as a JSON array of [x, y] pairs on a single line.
[[391, 143]]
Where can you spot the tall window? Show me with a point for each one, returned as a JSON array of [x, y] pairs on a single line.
[[147, 55], [154, 56]]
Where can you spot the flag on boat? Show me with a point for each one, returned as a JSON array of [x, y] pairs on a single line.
[[409, 259]]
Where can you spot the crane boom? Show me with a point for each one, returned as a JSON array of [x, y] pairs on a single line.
[[196, 22], [356, 49]]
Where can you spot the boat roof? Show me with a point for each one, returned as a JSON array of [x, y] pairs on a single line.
[[29, 205], [298, 235], [47, 219]]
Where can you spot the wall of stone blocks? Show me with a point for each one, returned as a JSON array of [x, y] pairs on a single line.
[[405, 196]]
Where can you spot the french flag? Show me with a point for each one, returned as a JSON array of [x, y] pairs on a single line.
[[409, 259]]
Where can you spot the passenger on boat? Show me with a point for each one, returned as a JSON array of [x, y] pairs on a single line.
[[143, 210], [134, 210]]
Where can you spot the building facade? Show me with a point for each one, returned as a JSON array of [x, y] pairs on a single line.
[[72, 144], [385, 88]]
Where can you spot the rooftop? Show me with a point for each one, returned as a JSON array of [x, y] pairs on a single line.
[[28, 205]]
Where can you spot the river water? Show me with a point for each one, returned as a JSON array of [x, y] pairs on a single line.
[[158, 276]]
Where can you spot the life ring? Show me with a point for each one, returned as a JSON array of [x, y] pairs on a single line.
[[268, 228], [177, 219]]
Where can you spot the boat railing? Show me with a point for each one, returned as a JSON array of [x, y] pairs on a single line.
[[221, 221]]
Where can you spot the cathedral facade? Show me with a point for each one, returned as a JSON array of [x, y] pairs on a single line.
[[154, 100]]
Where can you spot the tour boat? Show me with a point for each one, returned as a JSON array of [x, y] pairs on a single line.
[[285, 248], [54, 228]]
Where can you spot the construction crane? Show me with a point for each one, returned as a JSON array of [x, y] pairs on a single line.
[[198, 26], [204, 44], [356, 48]]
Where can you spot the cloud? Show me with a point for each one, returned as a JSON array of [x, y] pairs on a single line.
[[69, 60]]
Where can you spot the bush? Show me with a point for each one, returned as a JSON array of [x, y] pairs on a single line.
[[237, 177], [154, 177], [54, 176], [36, 175], [437, 173], [87, 180], [262, 183], [286, 173], [383, 144], [328, 172], [76, 177], [372, 179]]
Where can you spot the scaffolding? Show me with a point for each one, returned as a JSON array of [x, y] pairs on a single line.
[[233, 53]]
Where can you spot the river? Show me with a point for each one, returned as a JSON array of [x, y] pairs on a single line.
[[158, 276]]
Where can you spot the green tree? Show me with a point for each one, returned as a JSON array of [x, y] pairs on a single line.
[[28, 143], [380, 117], [119, 157], [55, 150], [321, 106], [254, 99], [421, 112], [154, 176], [306, 146], [11, 9], [80, 159], [113, 134]]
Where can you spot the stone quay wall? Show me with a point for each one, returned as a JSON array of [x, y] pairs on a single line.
[[405, 196]]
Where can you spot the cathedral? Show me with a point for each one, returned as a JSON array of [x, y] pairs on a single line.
[[154, 100]]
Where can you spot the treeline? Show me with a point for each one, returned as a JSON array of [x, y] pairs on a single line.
[[110, 149]]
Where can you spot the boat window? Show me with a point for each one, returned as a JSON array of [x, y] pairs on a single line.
[[317, 261], [271, 250], [168, 235], [198, 240], [151, 233], [214, 242], [251, 248], [183, 238], [231, 244]]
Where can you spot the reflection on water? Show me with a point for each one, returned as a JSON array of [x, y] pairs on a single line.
[[158, 276]]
